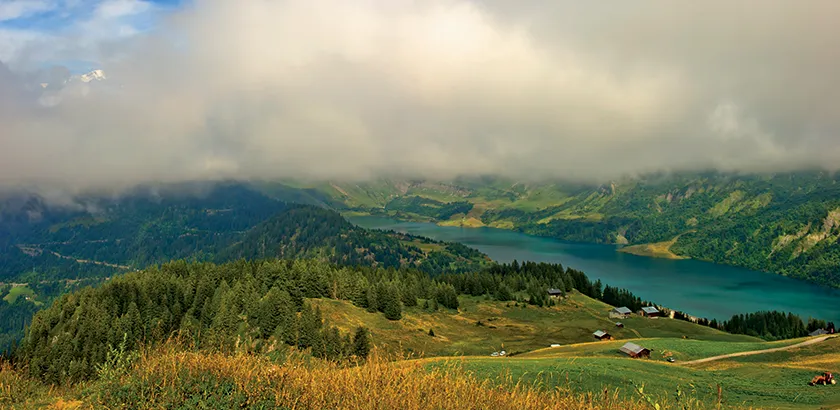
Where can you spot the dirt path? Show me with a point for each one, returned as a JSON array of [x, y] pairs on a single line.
[[754, 352]]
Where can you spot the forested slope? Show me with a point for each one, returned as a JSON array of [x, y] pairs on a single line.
[[48, 249]]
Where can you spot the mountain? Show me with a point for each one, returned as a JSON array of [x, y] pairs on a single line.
[[47, 249], [787, 223], [95, 75], [56, 78], [99, 236]]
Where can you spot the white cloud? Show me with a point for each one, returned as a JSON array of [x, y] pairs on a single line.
[[13, 43], [112, 9], [15, 9], [338, 89], [75, 30]]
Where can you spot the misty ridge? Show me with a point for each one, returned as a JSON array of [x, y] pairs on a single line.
[[356, 91]]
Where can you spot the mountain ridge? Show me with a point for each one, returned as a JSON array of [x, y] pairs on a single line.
[[786, 223]]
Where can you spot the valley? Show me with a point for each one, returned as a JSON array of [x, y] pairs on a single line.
[[698, 288], [256, 274], [784, 223], [419, 205]]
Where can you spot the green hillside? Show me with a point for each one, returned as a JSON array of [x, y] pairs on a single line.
[[773, 380], [481, 326], [783, 223], [67, 248], [113, 344]]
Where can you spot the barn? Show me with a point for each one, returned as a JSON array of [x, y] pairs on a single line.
[[555, 293], [633, 350], [650, 311], [602, 335], [621, 312]]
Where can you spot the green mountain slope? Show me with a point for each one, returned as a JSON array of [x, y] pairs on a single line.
[[276, 310], [65, 248], [783, 223], [226, 222]]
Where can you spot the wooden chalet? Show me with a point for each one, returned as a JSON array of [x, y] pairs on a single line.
[[650, 311], [555, 293], [602, 335], [621, 312], [635, 351]]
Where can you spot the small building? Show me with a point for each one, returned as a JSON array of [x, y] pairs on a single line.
[[555, 293], [818, 332], [602, 335], [619, 324], [635, 351], [621, 312], [650, 311]]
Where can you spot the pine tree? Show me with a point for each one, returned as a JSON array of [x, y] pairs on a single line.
[[310, 326], [133, 322], [372, 300], [275, 309], [390, 303], [361, 343]]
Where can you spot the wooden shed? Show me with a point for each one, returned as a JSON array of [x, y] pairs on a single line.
[[620, 312], [602, 335], [650, 311], [633, 350]]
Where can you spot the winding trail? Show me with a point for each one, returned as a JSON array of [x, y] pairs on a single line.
[[754, 352]]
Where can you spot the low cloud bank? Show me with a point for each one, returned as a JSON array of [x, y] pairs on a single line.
[[354, 90]]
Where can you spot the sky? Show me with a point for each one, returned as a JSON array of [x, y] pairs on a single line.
[[347, 90]]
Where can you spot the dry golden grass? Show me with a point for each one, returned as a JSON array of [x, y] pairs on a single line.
[[378, 384]]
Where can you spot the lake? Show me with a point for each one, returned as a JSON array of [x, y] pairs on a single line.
[[698, 288]]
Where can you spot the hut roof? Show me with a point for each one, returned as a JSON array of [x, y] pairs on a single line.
[[818, 332], [632, 348]]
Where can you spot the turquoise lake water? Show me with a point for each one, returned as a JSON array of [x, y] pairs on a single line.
[[699, 288]]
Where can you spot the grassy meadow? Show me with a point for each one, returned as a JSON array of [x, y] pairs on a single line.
[[16, 292], [483, 326], [775, 380], [584, 366]]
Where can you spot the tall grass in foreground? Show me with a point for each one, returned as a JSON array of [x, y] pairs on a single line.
[[172, 377], [168, 377]]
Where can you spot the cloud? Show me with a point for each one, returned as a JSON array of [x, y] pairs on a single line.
[[37, 31], [350, 90], [15, 9], [119, 8]]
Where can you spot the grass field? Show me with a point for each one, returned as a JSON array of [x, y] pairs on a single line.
[[773, 380], [517, 329], [679, 349], [18, 291]]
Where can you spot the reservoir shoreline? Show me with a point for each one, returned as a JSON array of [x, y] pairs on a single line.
[[699, 288]]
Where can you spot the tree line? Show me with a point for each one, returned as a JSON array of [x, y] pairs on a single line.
[[256, 305], [259, 305]]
